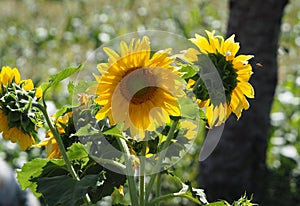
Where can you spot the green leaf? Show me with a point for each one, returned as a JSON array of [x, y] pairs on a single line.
[[77, 152], [115, 131], [219, 203], [71, 87], [82, 86], [85, 131], [188, 108], [60, 76], [62, 111], [29, 171], [202, 114], [67, 191], [38, 168], [106, 187], [188, 70]]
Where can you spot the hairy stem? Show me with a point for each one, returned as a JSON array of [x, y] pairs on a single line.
[[129, 172], [160, 158], [61, 148], [142, 176]]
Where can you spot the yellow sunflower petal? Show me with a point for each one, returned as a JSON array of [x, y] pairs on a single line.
[[246, 88], [124, 48], [39, 92], [102, 67], [5, 75], [25, 141], [230, 48], [113, 56], [102, 113], [6, 134], [221, 114], [43, 142], [16, 75], [190, 55], [28, 84], [202, 43], [209, 115], [242, 98], [214, 41]]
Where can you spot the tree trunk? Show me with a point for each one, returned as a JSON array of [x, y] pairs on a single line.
[[238, 163]]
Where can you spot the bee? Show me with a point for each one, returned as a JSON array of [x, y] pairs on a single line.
[[259, 64]]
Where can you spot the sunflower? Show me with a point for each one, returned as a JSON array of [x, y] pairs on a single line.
[[17, 116], [234, 70], [189, 128], [52, 148], [138, 88], [62, 124]]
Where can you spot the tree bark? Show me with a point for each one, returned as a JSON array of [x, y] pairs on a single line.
[[238, 163]]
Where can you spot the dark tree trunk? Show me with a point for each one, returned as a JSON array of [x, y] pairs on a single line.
[[238, 163]]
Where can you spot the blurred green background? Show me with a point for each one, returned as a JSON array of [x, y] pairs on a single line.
[[41, 37]]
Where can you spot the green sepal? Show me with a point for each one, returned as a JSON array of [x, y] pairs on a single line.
[[187, 189]]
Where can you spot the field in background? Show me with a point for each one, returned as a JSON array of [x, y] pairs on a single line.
[[42, 37]]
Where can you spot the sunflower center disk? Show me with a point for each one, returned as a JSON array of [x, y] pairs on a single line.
[[138, 86]]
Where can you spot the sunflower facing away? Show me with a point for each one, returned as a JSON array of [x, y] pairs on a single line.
[[235, 72], [18, 119], [138, 88]]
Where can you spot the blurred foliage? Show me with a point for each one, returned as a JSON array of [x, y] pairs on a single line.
[[42, 37]]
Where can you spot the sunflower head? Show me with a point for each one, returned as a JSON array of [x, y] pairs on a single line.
[[19, 119], [65, 127], [138, 87], [233, 70]]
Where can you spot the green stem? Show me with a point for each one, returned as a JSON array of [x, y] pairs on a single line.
[[142, 176], [61, 148], [129, 173], [59, 142], [167, 196], [142, 182], [110, 162], [158, 184], [160, 158]]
